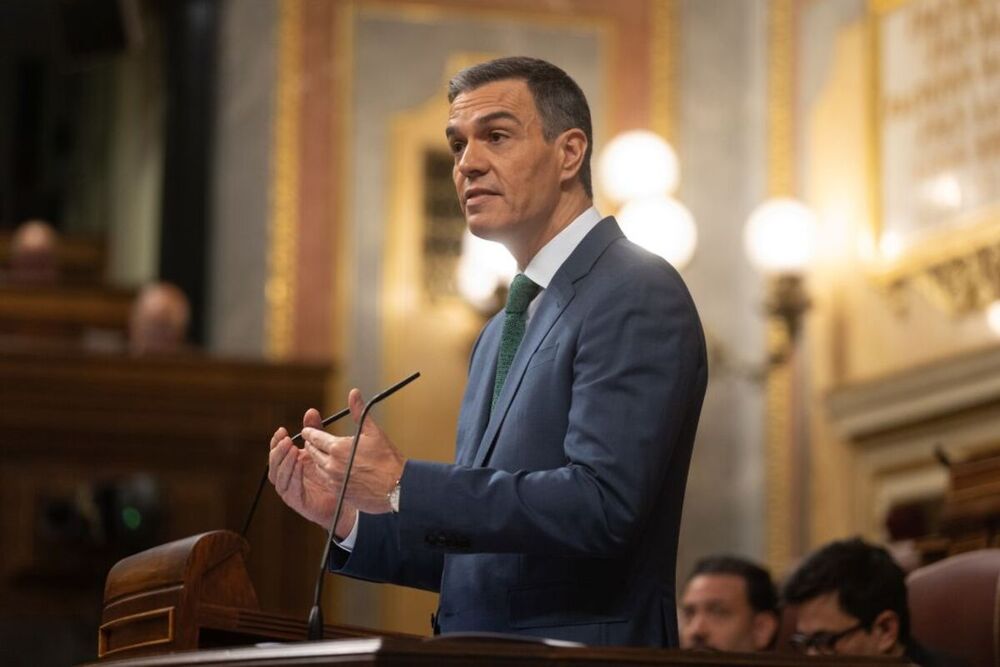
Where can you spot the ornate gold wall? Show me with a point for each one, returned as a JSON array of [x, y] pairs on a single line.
[[892, 372]]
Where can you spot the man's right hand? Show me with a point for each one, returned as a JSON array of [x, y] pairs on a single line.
[[301, 485]]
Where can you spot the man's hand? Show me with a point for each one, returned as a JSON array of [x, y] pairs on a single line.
[[301, 485], [378, 465]]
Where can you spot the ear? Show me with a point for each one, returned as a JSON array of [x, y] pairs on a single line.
[[765, 625], [572, 151], [885, 631]]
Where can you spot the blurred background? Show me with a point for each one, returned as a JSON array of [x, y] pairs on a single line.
[[215, 214]]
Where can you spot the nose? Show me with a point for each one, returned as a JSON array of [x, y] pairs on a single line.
[[695, 628], [473, 161]]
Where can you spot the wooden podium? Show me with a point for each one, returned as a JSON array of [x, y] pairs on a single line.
[[190, 594], [179, 603]]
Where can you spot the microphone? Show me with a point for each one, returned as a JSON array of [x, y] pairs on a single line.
[[263, 478], [316, 613]]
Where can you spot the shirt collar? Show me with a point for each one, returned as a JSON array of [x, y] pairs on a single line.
[[546, 262]]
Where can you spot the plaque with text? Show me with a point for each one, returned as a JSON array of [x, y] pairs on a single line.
[[937, 69]]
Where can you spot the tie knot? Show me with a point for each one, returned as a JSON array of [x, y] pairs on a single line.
[[522, 291]]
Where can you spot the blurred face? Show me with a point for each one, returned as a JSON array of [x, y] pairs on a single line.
[[716, 613], [824, 628], [506, 174]]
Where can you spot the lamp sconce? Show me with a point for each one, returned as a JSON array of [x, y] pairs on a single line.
[[780, 238], [787, 301]]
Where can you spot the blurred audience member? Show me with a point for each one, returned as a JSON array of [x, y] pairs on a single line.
[[850, 599], [34, 255], [729, 604], [159, 320]]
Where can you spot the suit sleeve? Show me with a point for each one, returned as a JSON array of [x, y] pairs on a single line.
[[378, 556], [638, 359]]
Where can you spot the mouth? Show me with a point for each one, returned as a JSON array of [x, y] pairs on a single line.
[[475, 196]]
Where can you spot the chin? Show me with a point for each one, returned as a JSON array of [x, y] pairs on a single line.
[[484, 228]]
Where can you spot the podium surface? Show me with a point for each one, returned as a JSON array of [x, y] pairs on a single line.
[[444, 651]]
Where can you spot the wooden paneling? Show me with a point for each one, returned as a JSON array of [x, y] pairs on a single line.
[[192, 431]]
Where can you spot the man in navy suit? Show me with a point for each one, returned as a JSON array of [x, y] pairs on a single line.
[[560, 515]]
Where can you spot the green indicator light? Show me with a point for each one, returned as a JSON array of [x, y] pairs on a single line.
[[131, 517]]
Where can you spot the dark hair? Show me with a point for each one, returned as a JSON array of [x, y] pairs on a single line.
[[559, 100], [761, 592], [865, 577]]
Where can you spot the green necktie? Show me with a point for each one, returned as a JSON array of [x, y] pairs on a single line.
[[522, 291]]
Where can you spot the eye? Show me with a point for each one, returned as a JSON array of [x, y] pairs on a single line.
[[497, 136], [457, 147]]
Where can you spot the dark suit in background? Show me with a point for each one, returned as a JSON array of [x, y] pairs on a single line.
[[561, 514]]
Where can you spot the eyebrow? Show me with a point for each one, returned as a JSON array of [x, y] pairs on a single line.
[[450, 131]]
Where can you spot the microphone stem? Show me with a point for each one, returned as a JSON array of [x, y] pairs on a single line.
[[316, 613]]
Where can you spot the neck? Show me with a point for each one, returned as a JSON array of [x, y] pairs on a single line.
[[566, 211]]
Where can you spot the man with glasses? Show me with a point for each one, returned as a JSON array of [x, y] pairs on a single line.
[[849, 598]]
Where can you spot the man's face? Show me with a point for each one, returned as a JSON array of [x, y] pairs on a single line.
[[506, 174], [716, 613], [822, 618]]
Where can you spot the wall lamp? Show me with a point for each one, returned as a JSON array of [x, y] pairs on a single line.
[[780, 239]]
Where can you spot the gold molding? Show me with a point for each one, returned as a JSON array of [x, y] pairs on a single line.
[[778, 450], [780, 101], [282, 228], [782, 531], [663, 69], [343, 148], [958, 272], [885, 6], [434, 13]]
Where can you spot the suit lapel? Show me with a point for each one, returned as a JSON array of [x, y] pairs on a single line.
[[554, 301], [476, 406]]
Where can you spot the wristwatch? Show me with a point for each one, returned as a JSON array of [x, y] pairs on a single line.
[[394, 498]]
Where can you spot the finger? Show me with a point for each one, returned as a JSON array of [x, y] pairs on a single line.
[[280, 434], [275, 457], [324, 463], [357, 405], [312, 419], [283, 474], [320, 439]]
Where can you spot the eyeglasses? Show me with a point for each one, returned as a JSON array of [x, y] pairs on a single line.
[[824, 643]]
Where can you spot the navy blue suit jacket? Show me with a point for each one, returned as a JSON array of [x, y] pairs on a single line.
[[560, 515]]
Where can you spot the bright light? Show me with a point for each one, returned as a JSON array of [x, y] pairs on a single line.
[[638, 163], [661, 225], [780, 236], [943, 192], [993, 317], [891, 245], [483, 266]]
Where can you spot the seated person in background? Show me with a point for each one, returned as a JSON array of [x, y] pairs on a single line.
[[850, 599], [729, 604], [34, 258], [159, 320]]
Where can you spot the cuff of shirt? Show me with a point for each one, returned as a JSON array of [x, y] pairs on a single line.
[[347, 544]]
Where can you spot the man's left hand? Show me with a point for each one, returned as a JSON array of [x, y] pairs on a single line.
[[378, 465]]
